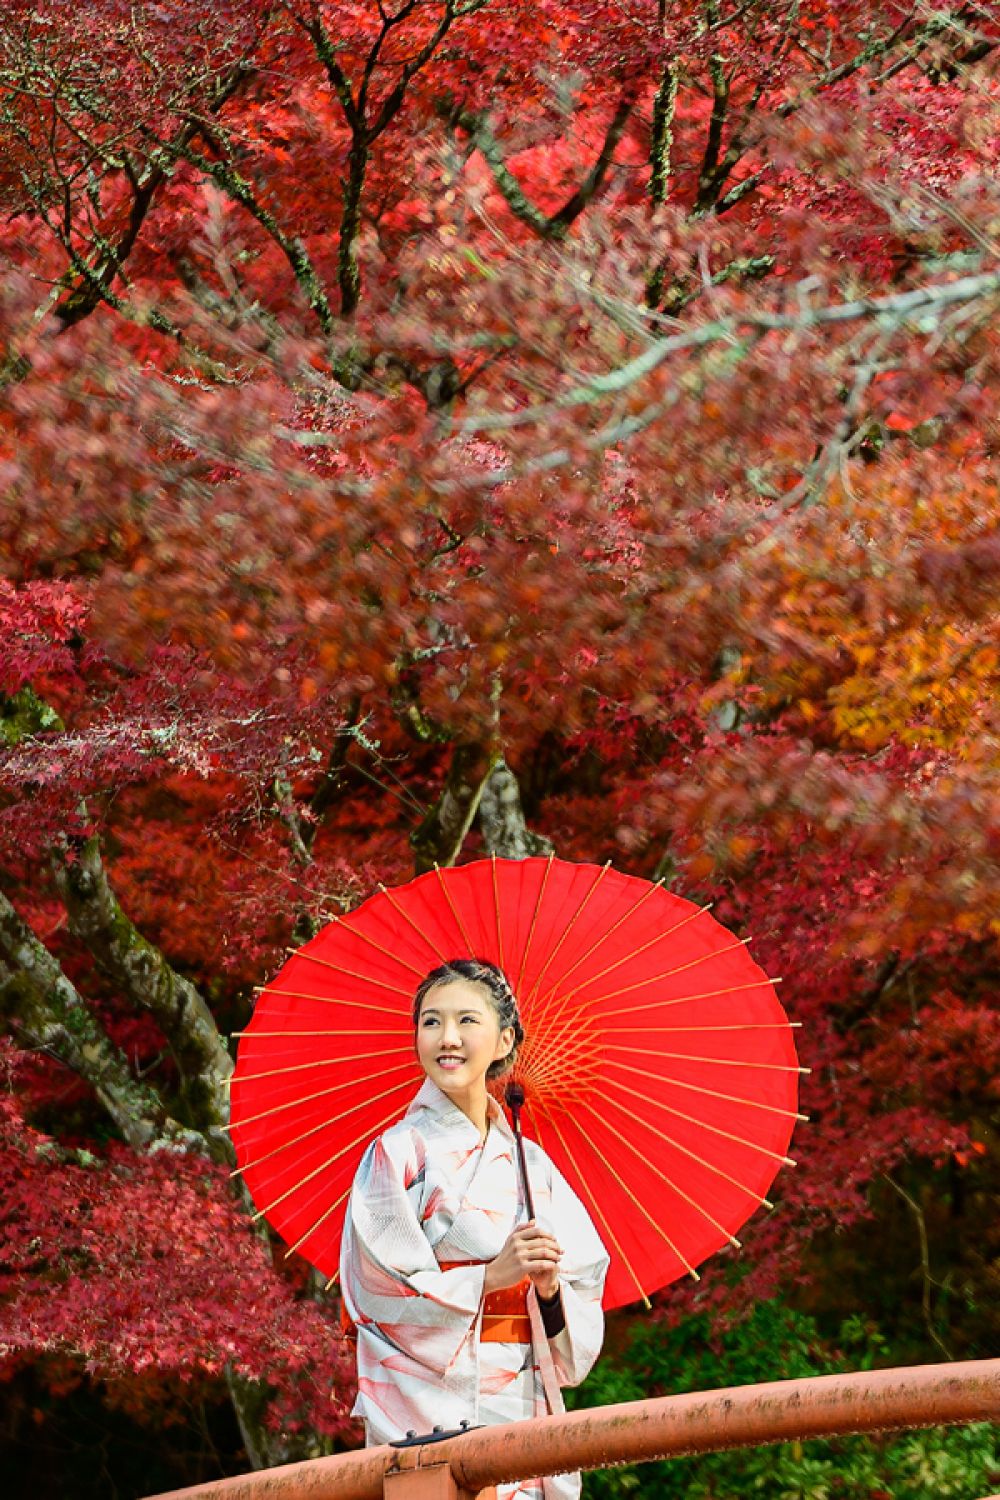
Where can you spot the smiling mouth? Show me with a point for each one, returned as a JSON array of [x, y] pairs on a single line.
[[450, 1061]]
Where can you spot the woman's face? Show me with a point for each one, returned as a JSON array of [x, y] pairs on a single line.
[[458, 1036]]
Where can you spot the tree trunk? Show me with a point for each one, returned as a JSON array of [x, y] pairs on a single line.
[[439, 839], [501, 817]]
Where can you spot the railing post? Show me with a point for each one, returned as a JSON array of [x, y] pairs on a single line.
[[433, 1481]]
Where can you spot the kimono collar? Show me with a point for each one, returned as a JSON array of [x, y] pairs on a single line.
[[437, 1103]]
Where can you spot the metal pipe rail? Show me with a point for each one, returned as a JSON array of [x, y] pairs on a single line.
[[635, 1431]]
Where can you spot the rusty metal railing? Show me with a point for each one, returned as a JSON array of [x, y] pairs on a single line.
[[636, 1431]]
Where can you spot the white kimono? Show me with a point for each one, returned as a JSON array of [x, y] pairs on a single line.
[[427, 1192]]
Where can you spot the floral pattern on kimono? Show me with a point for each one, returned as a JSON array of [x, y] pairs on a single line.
[[429, 1192]]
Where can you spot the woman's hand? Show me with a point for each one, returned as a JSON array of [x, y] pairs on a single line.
[[530, 1252]]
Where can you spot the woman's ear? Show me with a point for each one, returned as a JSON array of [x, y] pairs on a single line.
[[505, 1043]]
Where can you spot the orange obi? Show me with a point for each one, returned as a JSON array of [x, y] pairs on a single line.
[[505, 1312]]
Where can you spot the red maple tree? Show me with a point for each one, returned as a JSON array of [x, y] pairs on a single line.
[[477, 426]]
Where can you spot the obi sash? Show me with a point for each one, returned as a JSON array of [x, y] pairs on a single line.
[[505, 1312]]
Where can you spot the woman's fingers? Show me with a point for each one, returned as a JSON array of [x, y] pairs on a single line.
[[536, 1252], [540, 1258], [531, 1234], [544, 1241]]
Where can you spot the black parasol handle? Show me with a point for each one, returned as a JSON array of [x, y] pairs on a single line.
[[514, 1095]]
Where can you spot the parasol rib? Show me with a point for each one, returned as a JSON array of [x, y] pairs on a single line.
[[561, 1035], [454, 911], [388, 1010], [312, 1230], [729, 989], [651, 942], [735, 1026], [603, 936], [365, 938], [534, 919], [327, 963], [703, 958], [722, 1062], [569, 926], [584, 1183], [296, 1140], [739, 1140], [554, 1055], [298, 1102], [496, 908], [399, 910], [554, 1049], [701, 1160], [328, 1031], [316, 1062], [365, 1134], [668, 1180], [774, 1109], [619, 1179]]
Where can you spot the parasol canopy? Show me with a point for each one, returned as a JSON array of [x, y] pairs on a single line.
[[659, 1070]]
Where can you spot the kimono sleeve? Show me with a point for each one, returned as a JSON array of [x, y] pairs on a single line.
[[582, 1272], [393, 1288]]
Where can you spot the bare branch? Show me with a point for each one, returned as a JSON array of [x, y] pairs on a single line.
[[927, 1282], [899, 308]]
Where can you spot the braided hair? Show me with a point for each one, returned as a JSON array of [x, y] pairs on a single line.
[[501, 997]]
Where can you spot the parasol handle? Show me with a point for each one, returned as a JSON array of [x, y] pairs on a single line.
[[514, 1095]]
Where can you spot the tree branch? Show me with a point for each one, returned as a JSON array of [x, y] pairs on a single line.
[[662, 136], [91, 289], [365, 130], [591, 184], [326, 52], [149, 981], [548, 226], [48, 1011], [333, 780], [926, 1280], [236, 186], [898, 308], [394, 99], [716, 124]]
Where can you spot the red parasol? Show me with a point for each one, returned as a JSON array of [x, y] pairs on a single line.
[[659, 1071]]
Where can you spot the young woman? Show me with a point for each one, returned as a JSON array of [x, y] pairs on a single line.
[[467, 1311]]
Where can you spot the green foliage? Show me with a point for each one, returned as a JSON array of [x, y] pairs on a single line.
[[777, 1343]]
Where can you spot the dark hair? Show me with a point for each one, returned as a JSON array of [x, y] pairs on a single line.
[[501, 997]]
